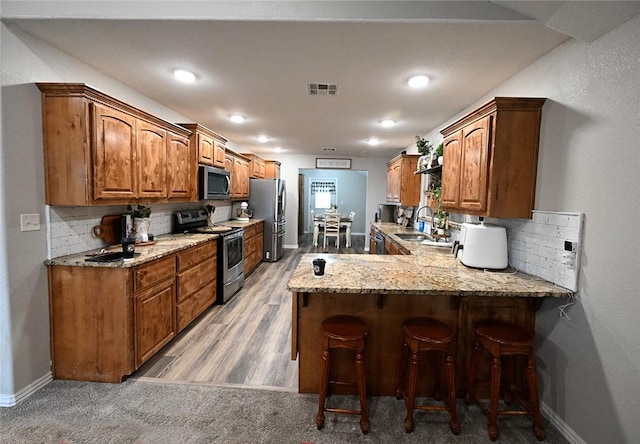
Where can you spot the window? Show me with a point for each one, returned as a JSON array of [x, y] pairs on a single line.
[[323, 200]]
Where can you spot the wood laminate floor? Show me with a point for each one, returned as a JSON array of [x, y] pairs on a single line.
[[247, 341]]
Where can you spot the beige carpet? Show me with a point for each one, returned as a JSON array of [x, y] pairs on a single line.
[[138, 411]]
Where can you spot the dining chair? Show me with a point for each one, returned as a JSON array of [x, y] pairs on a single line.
[[332, 228], [345, 225], [318, 225]]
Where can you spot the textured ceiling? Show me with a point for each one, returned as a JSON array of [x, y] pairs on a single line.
[[261, 68]]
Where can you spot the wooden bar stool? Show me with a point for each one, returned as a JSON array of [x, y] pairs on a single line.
[[347, 332], [501, 339], [425, 334]]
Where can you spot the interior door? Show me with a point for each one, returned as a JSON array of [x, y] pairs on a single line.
[[301, 205]]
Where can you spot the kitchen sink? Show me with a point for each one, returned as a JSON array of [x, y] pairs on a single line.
[[413, 237]]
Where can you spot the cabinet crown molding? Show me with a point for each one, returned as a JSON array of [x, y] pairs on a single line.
[[88, 92], [520, 104]]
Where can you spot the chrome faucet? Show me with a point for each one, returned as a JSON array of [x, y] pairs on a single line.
[[432, 216]]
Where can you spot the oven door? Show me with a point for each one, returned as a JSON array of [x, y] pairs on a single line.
[[232, 255]]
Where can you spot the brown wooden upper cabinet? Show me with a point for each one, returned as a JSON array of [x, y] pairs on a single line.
[[271, 169], [101, 151], [256, 165], [238, 167], [210, 145], [403, 186], [491, 158]]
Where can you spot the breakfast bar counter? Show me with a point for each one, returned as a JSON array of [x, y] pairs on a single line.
[[385, 290]]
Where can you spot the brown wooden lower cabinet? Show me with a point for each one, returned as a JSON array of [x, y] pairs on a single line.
[[253, 246], [196, 282], [106, 322], [385, 314], [155, 319]]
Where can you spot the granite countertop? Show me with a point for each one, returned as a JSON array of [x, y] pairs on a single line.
[[427, 270], [235, 223], [390, 229], [165, 245]]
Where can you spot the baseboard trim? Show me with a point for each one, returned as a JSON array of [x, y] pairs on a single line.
[[564, 429], [11, 400]]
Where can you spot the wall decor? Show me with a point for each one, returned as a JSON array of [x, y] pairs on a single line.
[[333, 163]]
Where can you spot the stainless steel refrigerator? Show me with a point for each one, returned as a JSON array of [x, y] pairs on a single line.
[[268, 201]]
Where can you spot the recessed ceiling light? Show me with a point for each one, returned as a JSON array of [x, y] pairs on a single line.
[[373, 141], [278, 149], [387, 123], [419, 81], [184, 76], [262, 138], [236, 118]]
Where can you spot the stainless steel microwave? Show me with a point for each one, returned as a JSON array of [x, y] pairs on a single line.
[[213, 183]]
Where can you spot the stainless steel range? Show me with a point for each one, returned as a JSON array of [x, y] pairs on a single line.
[[230, 258]]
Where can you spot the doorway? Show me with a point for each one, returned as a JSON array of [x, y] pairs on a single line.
[[323, 188]]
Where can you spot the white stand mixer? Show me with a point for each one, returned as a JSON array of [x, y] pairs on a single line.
[[245, 213]]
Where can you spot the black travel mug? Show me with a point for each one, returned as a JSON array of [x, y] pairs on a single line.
[[318, 266]]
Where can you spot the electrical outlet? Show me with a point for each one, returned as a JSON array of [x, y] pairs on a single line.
[[30, 222]]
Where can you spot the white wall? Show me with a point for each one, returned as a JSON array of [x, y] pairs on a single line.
[[24, 312], [589, 162]]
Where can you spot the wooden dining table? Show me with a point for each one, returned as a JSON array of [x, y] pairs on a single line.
[[345, 221]]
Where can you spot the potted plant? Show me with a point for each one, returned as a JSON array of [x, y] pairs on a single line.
[[141, 211], [424, 147], [434, 192], [141, 222], [440, 153], [441, 223]]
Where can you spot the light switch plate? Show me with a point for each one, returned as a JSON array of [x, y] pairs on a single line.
[[29, 222]]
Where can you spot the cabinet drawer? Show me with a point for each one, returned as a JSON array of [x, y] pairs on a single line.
[[149, 274], [194, 305], [195, 278], [196, 254], [250, 231]]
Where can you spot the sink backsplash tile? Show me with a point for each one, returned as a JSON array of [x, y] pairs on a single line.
[[70, 229], [536, 246]]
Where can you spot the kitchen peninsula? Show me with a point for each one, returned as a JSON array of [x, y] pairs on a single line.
[[384, 290]]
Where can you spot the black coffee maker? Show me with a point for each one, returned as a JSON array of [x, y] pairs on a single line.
[[387, 213]]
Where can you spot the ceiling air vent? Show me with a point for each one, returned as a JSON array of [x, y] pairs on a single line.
[[323, 89]]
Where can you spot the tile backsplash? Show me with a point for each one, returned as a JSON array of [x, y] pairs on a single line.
[[70, 229], [537, 245]]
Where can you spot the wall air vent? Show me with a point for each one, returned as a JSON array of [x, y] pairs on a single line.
[[322, 89]]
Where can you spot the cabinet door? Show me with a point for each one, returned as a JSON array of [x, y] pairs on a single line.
[[218, 154], [393, 182], [450, 196], [205, 149], [114, 154], [240, 179], [474, 170], [245, 180], [259, 243], [152, 158], [155, 319], [181, 179]]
